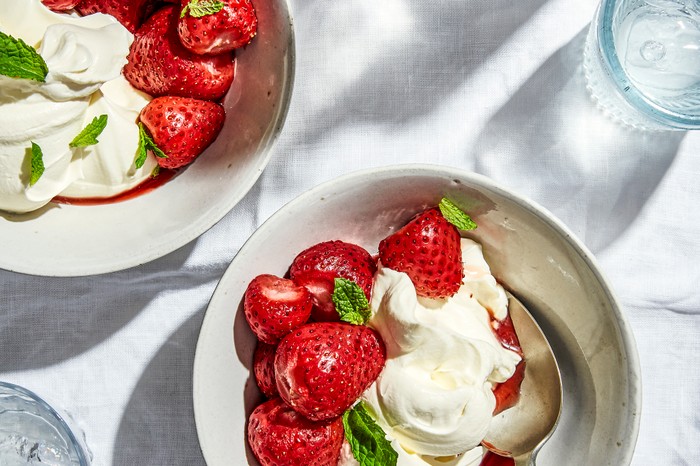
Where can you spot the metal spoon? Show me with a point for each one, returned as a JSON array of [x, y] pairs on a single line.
[[521, 431]]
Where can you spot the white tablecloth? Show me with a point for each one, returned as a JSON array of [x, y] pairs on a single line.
[[493, 86]]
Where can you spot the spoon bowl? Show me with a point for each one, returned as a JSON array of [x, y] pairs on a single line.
[[520, 431]]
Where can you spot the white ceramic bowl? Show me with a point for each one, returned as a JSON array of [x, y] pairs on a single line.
[[530, 252], [65, 240]]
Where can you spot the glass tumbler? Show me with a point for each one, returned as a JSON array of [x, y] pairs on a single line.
[[642, 62], [34, 433]]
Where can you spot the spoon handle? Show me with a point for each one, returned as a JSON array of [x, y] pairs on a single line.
[[526, 459]]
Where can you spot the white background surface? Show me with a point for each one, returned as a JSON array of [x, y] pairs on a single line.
[[491, 86]]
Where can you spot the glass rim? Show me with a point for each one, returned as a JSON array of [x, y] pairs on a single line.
[[78, 447], [622, 80]]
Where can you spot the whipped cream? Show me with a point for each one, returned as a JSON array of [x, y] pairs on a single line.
[[434, 397], [84, 56]]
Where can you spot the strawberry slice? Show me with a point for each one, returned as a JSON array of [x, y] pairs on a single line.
[[278, 435], [182, 127], [159, 64], [317, 267], [211, 31], [429, 251], [275, 306], [322, 368], [60, 5], [130, 13], [264, 368], [508, 393]]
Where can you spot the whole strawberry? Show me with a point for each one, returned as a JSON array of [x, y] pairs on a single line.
[[317, 267], [279, 436], [264, 368], [60, 5], [182, 127], [322, 368], [207, 29], [130, 13], [158, 64], [429, 251], [275, 306]]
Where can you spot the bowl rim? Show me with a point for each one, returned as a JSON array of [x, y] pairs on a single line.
[[629, 345]]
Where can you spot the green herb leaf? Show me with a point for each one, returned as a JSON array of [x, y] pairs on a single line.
[[350, 302], [367, 440], [455, 215], [199, 8], [36, 164], [146, 143], [19, 60], [88, 136]]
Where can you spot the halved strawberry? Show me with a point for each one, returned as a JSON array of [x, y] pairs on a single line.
[[210, 31], [264, 368], [182, 127], [275, 306], [428, 250], [130, 13], [322, 368], [317, 267], [60, 5], [278, 435], [159, 64]]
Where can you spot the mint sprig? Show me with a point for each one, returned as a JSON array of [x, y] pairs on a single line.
[[199, 8], [88, 136], [19, 60], [36, 164], [367, 440], [455, 215], [146, 143], [350, 302]]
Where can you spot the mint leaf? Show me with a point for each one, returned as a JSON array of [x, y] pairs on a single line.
[[455, 215], [36, 164], [19, 60], [198, 8], [146, 143], [350, 302], [88, 136], [367, 440]]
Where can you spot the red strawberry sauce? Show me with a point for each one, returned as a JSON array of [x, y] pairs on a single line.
[[145, 186]]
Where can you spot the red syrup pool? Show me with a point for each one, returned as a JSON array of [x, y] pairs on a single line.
[[145, 186]]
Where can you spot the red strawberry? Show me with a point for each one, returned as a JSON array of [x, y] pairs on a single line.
[[278, 435], [130, 13], [275, 306], [508, 392], [429, 251], [229, 28], [60, 5], [158, 64], [264, 368], [318, 266], [322, 368], [182, 127]]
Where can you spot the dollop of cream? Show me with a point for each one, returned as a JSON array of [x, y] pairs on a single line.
[[84, 56], [434, 396]]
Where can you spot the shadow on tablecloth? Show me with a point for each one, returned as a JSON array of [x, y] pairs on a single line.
[[158, 424], [550, 143]]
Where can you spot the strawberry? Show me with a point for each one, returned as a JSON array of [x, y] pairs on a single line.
[[429, 251], [60, 5], [159, 64], [508, 392], [233, 26], [182, 127], [322, 368], [275, 306], [278, 436], [130, 13], [318, 266], [264, 368]]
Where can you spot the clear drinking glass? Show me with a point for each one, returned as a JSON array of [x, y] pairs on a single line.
[[33, 433], [642, 62]]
